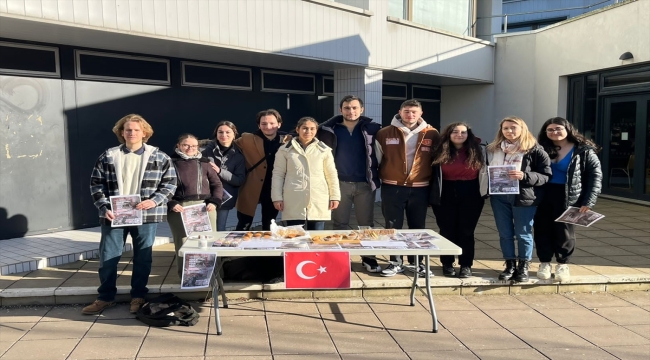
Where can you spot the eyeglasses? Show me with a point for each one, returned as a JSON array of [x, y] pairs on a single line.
[[459, 132], [186, 146], [556, 130]]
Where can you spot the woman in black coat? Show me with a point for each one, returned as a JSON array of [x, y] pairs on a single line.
[[576, 181], [228, 161]]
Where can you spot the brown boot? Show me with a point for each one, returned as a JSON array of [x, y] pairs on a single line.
[[97, 307], [136, 304]]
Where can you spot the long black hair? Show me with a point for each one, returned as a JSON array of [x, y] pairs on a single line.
[[573, 136], [445, 152]]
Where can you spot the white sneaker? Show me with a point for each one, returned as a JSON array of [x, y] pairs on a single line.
[[562, 272], [544, 271], [392, 270]]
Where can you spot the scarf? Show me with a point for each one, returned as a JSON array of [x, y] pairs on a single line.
[[513, 155], [187, 157]]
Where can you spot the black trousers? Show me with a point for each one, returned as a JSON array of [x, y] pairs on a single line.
[[395, 201], [268, 213], [551, 237], [457, 215]]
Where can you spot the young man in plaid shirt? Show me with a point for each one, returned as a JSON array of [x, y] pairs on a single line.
[[133, 168]]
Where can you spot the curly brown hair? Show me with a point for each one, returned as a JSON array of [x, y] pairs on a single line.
[[119, 127], [445, 152]]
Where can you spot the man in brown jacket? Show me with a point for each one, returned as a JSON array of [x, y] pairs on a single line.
[[404, 150], [259, 150]]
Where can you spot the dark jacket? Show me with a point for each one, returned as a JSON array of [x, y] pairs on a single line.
[[196, 181], [584, 178], [536, 166], [369, 129], [233, 170]]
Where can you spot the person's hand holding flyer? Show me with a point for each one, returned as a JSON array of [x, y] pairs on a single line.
[[124, 210], [196, 219], [500, 182], [572, 215]]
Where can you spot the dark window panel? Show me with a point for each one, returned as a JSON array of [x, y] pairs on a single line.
[[217, 76], [285, 82], [426, 93], [28, 60], [396, 91], [328, 86], [139, 70], [627, 79]]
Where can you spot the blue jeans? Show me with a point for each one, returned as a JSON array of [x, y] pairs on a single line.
[[222, 218], [311, 224], [110, 252], [513, 222]]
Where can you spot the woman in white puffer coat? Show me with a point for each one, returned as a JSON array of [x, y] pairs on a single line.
[[305, 183]]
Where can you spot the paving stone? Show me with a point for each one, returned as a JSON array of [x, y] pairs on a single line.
[[434, 354], [554, 337], [581, 353], [488, 339], [497, 302], [639, 298], [238, 345], [181, 346], [47, 330], [14, 331], [239, 308], [597, 300], [457, 319], [118, 328], [575, 317], [448, 302], [294, 323], [416, 341], [343, 306], [643, 330], [511, 354], [640, 352], [353, 322], [393, 304], [516, 318], [241, 325], [628, 315], [609, 335], [364, 342], [307, 357], [406, 321], [374, 356], [287, 343], [300, 306], [107, 348], [62, 313], [28, 314], [51, 349]]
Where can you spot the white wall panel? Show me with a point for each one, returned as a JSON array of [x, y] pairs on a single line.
[[160, 17], [193, 19], [33, 8], [95, 13], [148, 17], [80, 9], [171, 18], [135, 15], [3, 6], [109, 12], [204, 20], [16, 7], [183, 19], [292, 27], [122, 15], [66, 10]]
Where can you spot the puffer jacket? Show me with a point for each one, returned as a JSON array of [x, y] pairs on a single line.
[[536, 166], [584, 178], [306, 180], [233, 170]]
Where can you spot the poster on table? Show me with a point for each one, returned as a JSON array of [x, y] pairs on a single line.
[[123, 208], [197, 269], [195, 219], [499, 181], [572, 215]]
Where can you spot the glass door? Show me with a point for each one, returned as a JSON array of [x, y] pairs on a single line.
[[625, 141]]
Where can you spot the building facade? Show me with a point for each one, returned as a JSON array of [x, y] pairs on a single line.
[[70, 69]]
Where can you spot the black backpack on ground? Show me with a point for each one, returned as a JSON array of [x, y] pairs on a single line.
[[167, 310]]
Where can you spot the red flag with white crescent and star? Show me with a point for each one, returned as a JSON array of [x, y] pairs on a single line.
[[317, 270]]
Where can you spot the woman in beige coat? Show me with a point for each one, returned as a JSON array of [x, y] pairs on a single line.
[[305, 182]]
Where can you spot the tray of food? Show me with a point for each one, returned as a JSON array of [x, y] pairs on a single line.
[[288, 233], [338, 238], [368, 233]]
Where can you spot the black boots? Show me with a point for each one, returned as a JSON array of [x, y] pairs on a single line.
[[448, 270], [509, 271], [521, 274]]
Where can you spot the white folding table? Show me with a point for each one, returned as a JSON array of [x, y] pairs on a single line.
[[445, 247]]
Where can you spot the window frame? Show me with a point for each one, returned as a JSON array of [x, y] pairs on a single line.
[[57, 62], [80, 76], [216, 86], [288, 91], [425, 87], [323, 85], [406, 91]]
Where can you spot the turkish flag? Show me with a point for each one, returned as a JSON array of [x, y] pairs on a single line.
[[317, 270]]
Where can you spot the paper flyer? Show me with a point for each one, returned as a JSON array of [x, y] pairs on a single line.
[[499, 181], [197, 269], [123, 207], [195, 219]]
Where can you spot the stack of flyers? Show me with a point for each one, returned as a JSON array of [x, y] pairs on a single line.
[[425, 244], [354, 246], [293, 245]]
